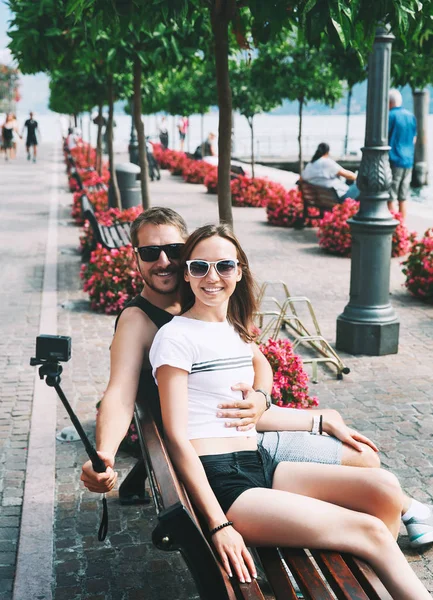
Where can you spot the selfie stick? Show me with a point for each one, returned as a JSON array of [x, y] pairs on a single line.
[[52, 371]]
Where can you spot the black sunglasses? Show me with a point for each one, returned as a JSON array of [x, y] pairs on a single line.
[[151, 253]]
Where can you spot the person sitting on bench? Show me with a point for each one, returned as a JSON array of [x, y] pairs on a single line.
[[158, 235], [324, 171], [243, 494]]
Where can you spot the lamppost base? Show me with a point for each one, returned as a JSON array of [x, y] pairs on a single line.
[[372, 339]]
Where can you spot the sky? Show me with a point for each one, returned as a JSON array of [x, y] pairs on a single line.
[[33, 88]]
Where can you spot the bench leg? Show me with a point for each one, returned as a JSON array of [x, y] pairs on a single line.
[[132, 489]]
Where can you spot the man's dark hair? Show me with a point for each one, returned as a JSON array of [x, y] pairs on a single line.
[[158, 215], [322, 149]]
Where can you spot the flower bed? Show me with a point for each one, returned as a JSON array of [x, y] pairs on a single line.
[[98, 198], [107, 217], [418, 268], [290, 387], [335, 236], [90, 177], [254, 192], [195, 171], [285, 210], [211, 181], [110, 278]]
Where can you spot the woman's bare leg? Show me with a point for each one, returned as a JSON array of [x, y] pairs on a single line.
[[276, 518], [372, 491]]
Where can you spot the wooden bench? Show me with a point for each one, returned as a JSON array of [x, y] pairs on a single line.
[[316, 196], [179, 529], [109, 236]]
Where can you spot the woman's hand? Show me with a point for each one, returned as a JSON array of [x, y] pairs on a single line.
[[231, 547], [243, 414], [99, 482], [333, 424]]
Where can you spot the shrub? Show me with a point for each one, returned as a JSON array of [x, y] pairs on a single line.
[[110, 278], [211, 181], [98, 198], [290, 387], [253, 192], [334, 231], [91, 178], [196, 171], [178, 162], [286, 209], [84, 157], [418, 267], [335, 235]]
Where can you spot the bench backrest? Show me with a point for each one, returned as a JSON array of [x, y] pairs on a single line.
[[318, 196]]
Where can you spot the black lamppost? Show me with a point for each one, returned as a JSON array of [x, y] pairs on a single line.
[[369, 324], [133, 143]]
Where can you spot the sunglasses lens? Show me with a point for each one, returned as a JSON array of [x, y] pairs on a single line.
[[149, 253], [226, 268], [198, 268], [173, 250]]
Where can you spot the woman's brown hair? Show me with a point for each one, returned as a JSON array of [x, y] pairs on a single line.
[[242, 303]]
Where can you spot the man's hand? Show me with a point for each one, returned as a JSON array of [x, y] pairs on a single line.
[[99, 482], [245, 413], [333, 424]]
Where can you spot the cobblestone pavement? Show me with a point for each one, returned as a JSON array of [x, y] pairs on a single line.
[[387, 398]]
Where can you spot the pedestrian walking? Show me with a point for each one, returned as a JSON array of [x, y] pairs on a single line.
[[163, 132], [8, 130], [182, 126], [401, 138], [32, 136]]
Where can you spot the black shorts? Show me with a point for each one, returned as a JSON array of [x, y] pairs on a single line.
[[230, 475], [182, 136]]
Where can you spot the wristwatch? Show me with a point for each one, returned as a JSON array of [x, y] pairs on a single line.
[[268, 398]]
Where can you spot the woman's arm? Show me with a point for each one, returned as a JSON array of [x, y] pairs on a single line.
[[350, 175], [173, 394]]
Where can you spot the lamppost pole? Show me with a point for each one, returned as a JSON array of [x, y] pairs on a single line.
[[368, 324], [133, 143]]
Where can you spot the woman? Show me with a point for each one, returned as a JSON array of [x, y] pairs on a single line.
[[243, 495], [324, 171], [8, 130]]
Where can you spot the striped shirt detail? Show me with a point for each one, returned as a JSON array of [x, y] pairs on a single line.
[[222, 364]]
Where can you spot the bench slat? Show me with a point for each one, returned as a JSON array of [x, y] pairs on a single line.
[[276, 574], [123, 230], [342, 581], [306, 574], [368, 578]]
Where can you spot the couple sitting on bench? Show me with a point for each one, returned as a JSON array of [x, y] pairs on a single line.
[[243, 493], [323, 171]]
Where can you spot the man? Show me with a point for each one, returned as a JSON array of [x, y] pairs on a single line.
[[402, 138], [157, 236], [32, 139]]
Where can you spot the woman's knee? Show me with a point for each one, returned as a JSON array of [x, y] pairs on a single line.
[[388, 487], [376, 536]]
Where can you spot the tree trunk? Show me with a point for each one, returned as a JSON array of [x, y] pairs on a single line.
[[301, 158], [421, 101], [139, 126], [222, 12], [89, 135], [113, 177], [75, 120], [251, 124], [349, 102], [99, 141]]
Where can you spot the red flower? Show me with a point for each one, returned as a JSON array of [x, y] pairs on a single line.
[[418, 267]]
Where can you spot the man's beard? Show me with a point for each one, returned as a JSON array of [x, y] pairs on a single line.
[[148, 282]]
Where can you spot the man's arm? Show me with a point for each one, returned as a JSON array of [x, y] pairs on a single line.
[[133, 337], [244, 414]]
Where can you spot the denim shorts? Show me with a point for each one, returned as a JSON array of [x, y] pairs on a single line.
[[230, 475]]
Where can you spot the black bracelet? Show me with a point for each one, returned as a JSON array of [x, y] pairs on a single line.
[[321, 425], [215, 529]]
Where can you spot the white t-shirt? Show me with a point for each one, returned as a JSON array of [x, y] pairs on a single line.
[[216, 358], [323, 172]]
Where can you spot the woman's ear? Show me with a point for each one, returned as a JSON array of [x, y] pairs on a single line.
[[186, 275], [239, 274]]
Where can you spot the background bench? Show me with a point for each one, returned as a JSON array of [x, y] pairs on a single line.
[[179, 529], [109, 236], [316, 196]]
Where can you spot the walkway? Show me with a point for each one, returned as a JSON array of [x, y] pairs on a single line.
[[387, 398]]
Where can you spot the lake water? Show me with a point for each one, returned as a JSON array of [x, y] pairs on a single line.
[[275, 135]]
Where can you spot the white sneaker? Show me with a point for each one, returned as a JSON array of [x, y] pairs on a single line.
[[420, 531]]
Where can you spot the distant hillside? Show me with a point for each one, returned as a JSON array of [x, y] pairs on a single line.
[[358, 106]]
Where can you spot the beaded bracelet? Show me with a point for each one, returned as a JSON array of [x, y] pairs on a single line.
[[215, 529]]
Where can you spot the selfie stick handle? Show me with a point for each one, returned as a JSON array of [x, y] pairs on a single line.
[[97, 462]]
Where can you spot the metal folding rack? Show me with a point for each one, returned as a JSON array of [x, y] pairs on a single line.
[[271, 322]]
